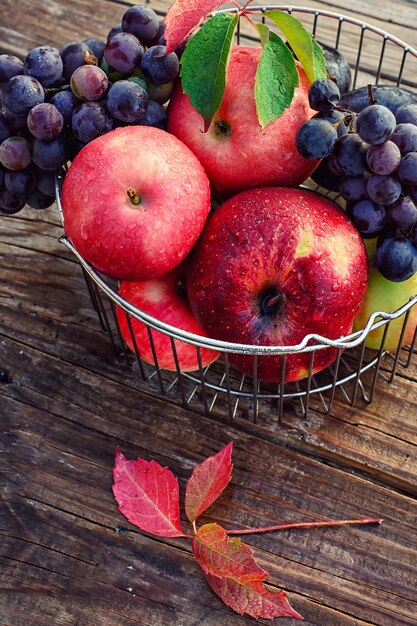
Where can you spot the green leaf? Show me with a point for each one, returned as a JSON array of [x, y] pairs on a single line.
[[263, 31], [204, 64], [303, 44], [275, 81]]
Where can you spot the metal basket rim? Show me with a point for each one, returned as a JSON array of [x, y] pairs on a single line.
[[311, 342]]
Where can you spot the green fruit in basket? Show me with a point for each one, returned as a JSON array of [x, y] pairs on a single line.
[[165, 299], [272, 266], [387, 296], [235, 152], [134, 202]]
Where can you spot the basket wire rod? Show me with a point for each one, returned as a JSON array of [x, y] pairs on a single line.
[[282, 389], [106, 322], [381, 58], [228, 390], [316, 387], [358, 375], [412, 346], [157, 370], [339, 32], [202, 382], [381, 353], [358, 57], [309, 378], [255, 388], [216, 395], [135, 345], [335, 371], [123, 352], [236, 404], [179, 378], [401, 70], [400, 342], [93, 298]]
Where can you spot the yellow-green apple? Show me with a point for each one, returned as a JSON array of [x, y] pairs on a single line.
[[134, 202], [387, 296], [164, 298], [273, 265], [236, 153]]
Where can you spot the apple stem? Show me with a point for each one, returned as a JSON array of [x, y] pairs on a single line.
[[133, 196], [290, 525], [273, 300]]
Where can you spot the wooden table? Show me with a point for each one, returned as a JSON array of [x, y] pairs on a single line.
[[68, 557]]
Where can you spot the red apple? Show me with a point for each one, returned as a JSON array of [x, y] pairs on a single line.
[[165, 299], [134, 202], [272, 266], [236, 153]]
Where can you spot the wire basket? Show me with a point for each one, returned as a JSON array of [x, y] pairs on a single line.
[[218, 389]]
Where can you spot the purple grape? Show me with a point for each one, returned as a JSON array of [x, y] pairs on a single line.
[[49, 155], [123, 52], [38, 200], [368, 217], [45, 181], [353, 188], [396, 258], [14, 122], [324, 177], [407, 170], [73, 145], [90, 120], [97, 48], [74, 55], [15, 153], [158, 66], [323, 95], [117, 28], [375, 124], [413, 235], [45, 121], [141, 21], [5, 130], [349, 155], [383, 158], [160, 93], [159, 39], [127, 101], [45, 64], [315, 139], [340, 120], [406, 114], [333, 166], [89, 83], [21, 182], [383, 189], [10, 203], [21, 93], [402, 213], [65, 102], [9, 66], [155, 115], [405, 137], [3, 170]]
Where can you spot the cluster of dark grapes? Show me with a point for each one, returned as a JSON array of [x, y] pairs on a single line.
[[370, 158], [56, 101]]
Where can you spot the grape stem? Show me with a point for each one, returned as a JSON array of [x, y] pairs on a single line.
[[291, 525], [371, 99]]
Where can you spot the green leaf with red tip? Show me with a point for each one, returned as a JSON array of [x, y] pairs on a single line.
[[204, 64], [306, 49], [148, 496], [276, 79], [234, 575], [183, 17], [207, 482]]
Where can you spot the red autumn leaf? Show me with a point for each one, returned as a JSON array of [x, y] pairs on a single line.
[[207, 482], [235, 577], [183, 17], [147, 494]]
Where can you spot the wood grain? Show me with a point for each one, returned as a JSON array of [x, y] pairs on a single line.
[[67, 555]]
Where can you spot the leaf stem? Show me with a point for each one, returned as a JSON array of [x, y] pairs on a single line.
[[250, 20], [290, 525]]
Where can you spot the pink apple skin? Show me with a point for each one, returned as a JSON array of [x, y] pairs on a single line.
[[121, 239], [165, 300], [248, 156], [290, 243]]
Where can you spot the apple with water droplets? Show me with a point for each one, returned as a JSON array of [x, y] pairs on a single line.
[[272, 266], [235, 151], [134, 202]]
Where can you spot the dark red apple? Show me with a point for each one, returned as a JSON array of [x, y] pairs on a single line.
[[164, 298], [272, 266], [236, 153], [134, 202]]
